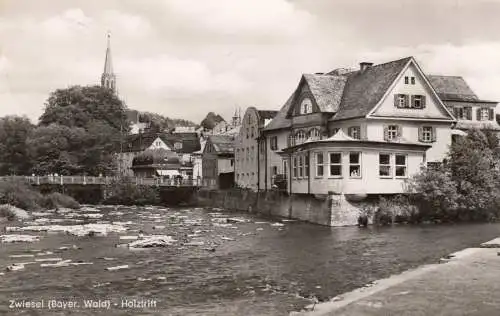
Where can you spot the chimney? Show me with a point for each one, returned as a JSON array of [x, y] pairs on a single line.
[[364, 65]]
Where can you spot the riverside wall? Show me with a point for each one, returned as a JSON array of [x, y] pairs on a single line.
[[328, 209]]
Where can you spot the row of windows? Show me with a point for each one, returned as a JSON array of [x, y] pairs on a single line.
[[330, 164], [242, 176], [409, 101], [482, 114], [245, 153], [409, 79]]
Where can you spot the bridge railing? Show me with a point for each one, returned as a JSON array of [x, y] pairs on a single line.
[[62, 180]]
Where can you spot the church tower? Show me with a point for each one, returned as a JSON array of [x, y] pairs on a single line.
[[108, 78]]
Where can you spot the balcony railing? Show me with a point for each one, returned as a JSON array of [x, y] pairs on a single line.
[[86, 180]]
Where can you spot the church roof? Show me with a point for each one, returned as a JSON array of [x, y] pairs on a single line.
[[108, 63]]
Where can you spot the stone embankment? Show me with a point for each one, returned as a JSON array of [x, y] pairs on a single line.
[[464, 283]]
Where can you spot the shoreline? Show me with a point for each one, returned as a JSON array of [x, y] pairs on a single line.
[[343, 304]]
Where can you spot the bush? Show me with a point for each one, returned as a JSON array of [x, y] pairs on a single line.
[[6, 212], [125, 192], [19, 194], [57, 200]]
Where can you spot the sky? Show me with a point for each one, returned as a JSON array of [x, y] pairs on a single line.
[[184, 58]]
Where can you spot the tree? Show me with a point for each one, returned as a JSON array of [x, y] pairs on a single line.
[[79, 106], [57, 149], [14, 153], [211, 120], [160, 123]]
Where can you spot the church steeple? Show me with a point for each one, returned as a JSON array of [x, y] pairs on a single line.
[[108, 78]]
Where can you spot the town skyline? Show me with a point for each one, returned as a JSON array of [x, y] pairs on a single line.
[[182, 61]]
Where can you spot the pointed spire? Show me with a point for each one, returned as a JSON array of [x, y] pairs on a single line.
[[108, 79]]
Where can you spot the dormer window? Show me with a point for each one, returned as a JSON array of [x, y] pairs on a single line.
[[306, 106], [314, 133]]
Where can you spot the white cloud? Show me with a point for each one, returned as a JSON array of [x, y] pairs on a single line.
[[256, 17], [66, 23]]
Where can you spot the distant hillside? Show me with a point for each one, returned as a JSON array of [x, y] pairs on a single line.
[[211, 120], [157, 121]]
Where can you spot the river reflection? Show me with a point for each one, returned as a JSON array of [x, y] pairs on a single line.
[[251, 266]]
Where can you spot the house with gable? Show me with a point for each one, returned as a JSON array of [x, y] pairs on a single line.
[[470, 111], [357, 132], [218, 161]]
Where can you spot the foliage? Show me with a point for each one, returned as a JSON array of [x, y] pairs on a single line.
[[211, 120], [125, 192], [80, 106], [466, 187], [19, 194], [79, 132], [57, 200], [14, 153], [160, 123], [6, 212]]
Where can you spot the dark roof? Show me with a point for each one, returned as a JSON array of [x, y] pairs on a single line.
[[327, 90], [451, 88], [223, 144], [364, 89], [267, 114], [140, 142], [280, 120]]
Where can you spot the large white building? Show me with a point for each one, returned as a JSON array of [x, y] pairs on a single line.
[[247, 147]]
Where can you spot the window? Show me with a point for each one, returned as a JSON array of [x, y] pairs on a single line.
[[306, 106], [400, 165], [314, 133], [300, 137], [300, 167], [355, 165], [273, 143], [232, 162], [392, 132], [406, 80], [427, 134], [319, 165], [463, 113], [418, 101], [401, 100], [413, 80], [306, 166], [248, 133], [335, 164], [262, 147], [274, 170], [294, 167], [485, 114], [354, 132], [384, 162], [253, 152], [178, 146], [285, 168]]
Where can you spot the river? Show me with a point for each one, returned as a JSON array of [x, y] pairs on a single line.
[[253, 266]]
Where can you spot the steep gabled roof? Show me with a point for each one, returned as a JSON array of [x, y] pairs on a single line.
[[140, 142], [280, 120], [451, 88], [327, 90], [223, 144], [364, 89], [267, 114]]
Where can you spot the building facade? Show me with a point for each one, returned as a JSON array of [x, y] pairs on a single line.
[[247, 147], [357, 132], [218, 161]]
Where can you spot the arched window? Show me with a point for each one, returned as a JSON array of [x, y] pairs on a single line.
[[306, 106], [314, 134], [300, 137]]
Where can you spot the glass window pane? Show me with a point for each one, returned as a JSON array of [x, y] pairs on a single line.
[[335, 158], [354, 171], [384, 159], [354, 158], [335, 170], [400, 160], [319, 158], [385, 171], [400, 171]]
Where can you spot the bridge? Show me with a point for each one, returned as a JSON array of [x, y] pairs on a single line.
[[89, 180]]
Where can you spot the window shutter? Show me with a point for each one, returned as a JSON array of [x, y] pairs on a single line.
[[386, 133], [469, 113], [407, 101], [396, 100], [478, 114], [455, 112], [491, 114], [434, 134], [420, 133], [358, 128], [423, 101], [412, 104], [400, 131]]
